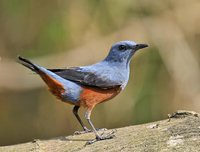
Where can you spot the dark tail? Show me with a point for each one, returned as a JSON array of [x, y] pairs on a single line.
[[53, 81], [28, 64]]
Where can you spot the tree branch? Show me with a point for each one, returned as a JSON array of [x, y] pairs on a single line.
[[181, 132]]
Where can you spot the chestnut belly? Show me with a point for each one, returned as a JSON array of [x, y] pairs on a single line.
[[89, 97]]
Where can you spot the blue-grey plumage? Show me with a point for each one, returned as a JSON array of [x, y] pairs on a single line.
[[90, 85], [111, 72], [70, 90]]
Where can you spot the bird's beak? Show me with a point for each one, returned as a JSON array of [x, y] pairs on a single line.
[[140, 46]]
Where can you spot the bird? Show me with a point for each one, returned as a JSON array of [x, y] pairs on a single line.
[[87, 86]]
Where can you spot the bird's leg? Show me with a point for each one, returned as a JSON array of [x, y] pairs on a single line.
[[98, 137], [86, 130]]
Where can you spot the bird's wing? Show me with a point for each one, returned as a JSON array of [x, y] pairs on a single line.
[[86, 77]]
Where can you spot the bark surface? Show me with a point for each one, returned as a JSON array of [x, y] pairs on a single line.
[[181, 132]]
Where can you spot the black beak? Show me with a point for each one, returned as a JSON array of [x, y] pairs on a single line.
[[140, 46]]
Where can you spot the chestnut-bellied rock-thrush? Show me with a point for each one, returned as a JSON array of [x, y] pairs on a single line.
[[87, 86]]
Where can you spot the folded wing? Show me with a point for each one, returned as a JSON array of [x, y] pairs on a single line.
[[86, 77]]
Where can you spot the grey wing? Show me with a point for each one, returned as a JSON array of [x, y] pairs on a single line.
[[86, 77]]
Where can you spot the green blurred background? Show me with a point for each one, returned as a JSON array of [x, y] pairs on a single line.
[[63, 33]]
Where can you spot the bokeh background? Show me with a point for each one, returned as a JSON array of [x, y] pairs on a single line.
[[55, 33]]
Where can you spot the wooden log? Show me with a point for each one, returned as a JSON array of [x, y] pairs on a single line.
[[180, 132]]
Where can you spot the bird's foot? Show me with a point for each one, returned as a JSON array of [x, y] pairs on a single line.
[[86, 130], [102, 137], [101, 129]]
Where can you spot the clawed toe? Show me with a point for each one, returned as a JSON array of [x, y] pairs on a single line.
[[102, 137], [110, 133], [101, 129], [110, 136]]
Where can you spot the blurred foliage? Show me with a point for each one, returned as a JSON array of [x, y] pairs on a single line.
[[51, 27]]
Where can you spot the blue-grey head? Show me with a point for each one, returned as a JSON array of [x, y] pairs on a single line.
[[123, 51]]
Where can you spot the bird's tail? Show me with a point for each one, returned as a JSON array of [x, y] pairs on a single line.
[[28, 64], [59, 86], [54, 82]]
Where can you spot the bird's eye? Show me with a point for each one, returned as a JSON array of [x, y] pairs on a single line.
[[122, 47]]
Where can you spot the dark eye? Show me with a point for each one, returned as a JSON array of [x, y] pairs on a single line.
[[122, 47]]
